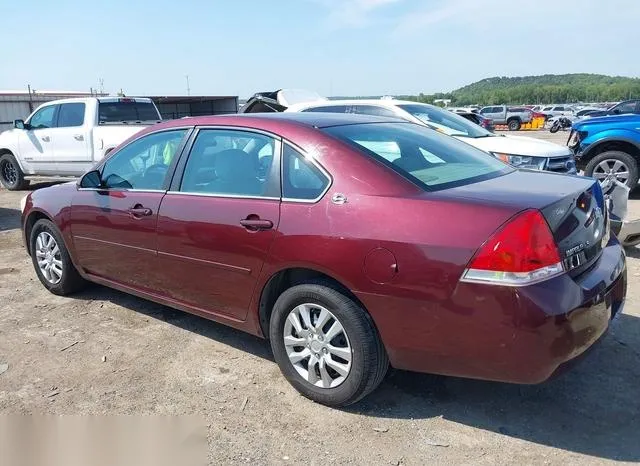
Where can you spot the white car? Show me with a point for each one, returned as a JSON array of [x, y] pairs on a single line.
[[67, 137], [522, 152]]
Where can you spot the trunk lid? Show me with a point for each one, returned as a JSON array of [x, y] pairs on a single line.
[[573, 206]]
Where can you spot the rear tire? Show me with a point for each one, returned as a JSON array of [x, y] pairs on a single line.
[[359, 342], [52, 261], [598, 166], [514, 124], [11, 175]]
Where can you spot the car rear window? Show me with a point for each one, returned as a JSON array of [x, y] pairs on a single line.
[[430, 159], [127, 110]]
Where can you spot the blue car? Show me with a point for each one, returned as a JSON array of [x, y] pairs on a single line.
[[608, 147]]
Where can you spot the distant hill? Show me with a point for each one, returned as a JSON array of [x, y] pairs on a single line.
[[548, 88]]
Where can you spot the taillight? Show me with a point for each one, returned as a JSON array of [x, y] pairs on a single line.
[[522, 252]]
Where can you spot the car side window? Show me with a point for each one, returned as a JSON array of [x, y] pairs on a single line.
[[301, 180], [230, 163], [375, 110], [144, 163], [626, 107], [43, 118], [71, 115], [329, 109]]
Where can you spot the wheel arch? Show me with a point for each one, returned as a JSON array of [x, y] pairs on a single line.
[[29, 222], [5, 151], [610, 144], [287, 277]]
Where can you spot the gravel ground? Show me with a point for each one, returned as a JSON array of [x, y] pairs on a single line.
[[130, 356]]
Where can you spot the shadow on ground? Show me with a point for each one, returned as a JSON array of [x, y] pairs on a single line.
[[9, 219], [594, 409]]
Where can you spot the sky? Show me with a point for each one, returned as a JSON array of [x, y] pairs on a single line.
[[334, 47]]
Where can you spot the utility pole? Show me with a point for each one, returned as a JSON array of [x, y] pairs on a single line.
[[101, 83], [30, 100], [188, 88]]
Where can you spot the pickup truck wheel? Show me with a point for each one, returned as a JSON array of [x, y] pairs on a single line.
[[514, 125], [326, 345], [11, 175], [614, 165]]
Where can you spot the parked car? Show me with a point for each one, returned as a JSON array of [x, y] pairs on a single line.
[[608, 147], [514, 117], [67, 137], [557, 110], [622, 108], [303, 228], [478, 119], [522, 152]]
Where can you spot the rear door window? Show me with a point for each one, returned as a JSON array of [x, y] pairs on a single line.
[[330, 109], [71, 115], [375, 110], [231, 163]]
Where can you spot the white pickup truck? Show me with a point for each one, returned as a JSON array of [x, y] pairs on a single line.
[[67, 137]]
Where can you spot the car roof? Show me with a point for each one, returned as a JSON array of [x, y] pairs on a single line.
[[310, 119], [328, 103]]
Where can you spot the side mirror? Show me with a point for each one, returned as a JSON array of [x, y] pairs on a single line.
[[91, 179], [18, 124], [616, 111]]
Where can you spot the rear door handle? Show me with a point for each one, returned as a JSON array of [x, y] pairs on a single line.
[[46, 138], [255, 224], [78, 137], [139, 211]]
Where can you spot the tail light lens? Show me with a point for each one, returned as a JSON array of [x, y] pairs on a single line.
[[522, 252]]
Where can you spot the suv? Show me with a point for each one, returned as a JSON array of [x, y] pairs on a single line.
[[608, 147], [521, 152]]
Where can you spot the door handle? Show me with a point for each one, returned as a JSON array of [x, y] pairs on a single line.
[[138, 211], [78, 137], [255, 224], [46, 138]]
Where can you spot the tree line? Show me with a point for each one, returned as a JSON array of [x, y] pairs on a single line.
[[546, 89]]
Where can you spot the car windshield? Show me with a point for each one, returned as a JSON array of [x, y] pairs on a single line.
[[445, 121], [429, 159]]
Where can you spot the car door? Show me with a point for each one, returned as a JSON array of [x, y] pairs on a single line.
[[35, 142], [217, 223], [114, 225], [71, 140]]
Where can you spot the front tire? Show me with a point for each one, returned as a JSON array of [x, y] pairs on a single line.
[[616, 164], [326, 345], [514, 125], [11, 176], [555, 127], [51, 260]]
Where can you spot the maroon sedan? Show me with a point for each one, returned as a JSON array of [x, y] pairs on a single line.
[[351, 242]]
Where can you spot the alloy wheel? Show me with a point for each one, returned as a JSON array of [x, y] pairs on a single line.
[[317, 345], [611, 169], [9, 172], [49, 258]]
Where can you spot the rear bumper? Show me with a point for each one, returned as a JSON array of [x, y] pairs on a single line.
[[518, 335]]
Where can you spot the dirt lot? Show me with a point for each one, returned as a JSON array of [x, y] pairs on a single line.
[[136, 357]]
